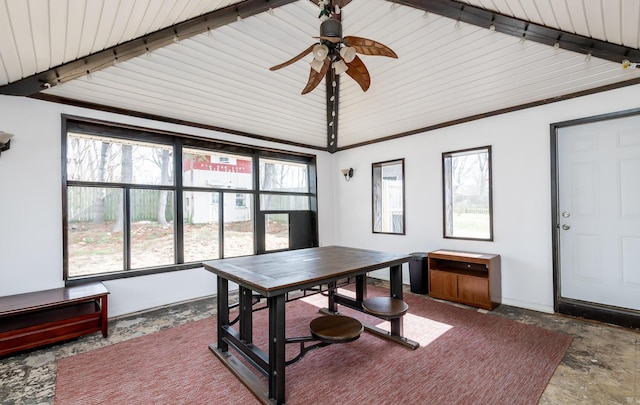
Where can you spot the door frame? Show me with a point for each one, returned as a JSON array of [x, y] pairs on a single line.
[[568, 306]]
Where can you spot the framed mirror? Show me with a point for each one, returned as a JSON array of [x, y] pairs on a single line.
[[467, 192], [388, 197]]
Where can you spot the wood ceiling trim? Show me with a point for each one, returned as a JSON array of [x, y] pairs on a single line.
[[139, 46], [529, 30]]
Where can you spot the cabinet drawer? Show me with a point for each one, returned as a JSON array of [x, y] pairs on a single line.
[[474, 290], [442, 284]]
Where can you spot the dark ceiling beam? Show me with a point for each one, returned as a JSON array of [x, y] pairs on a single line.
[[138, 46], [333, 95], [530, 31]]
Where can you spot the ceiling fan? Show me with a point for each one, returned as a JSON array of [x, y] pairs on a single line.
[[337, 52]]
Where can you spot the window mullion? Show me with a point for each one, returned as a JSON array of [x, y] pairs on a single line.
[[178, 203], [126, 227]]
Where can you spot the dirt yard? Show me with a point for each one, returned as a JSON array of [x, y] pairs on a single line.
[[96, 248]]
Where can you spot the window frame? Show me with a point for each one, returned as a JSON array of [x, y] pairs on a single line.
[[445, 198], [177, 141]]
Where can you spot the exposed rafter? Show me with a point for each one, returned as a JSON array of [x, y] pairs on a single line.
[[333, 95], [139, 46], [525, 29]]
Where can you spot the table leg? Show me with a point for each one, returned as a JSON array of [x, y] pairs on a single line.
[[395, 278], [395, 289], [222, 302], [331, 289], [361, 287], [246, 315], [276, 347]]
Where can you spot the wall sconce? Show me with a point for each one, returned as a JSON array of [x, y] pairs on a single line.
[[5, 141], [347, 173]]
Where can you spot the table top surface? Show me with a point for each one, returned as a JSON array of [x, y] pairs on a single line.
[[276, 273]]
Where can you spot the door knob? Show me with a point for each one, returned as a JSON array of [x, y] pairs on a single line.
[[566, 214], [566, 227]]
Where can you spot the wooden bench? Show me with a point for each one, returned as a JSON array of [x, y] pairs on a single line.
[[43, 317]]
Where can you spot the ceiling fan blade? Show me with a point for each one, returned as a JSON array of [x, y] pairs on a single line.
[[358, 72], [294, 59], [367, 46], [315, 78]]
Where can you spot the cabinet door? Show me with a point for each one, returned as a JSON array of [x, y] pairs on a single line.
[[474, 290], [442, 284]]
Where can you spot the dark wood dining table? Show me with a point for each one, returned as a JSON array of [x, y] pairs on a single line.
[[273, 276]]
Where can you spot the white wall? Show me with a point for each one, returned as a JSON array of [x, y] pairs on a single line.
[[31, 208], [30, 198], [521, 191]]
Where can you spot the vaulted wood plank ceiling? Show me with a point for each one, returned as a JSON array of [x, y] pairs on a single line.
[[206, 63]]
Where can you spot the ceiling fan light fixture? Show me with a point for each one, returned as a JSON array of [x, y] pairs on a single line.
[[316, 65], [348, 53], [340, 67], [320, 52]]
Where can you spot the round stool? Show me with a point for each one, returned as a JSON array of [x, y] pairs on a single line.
[[335, 329], [385, 307]]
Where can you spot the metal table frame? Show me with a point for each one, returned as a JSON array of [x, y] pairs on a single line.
[[245, 271]]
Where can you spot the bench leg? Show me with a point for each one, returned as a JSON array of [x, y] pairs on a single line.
[[104, 316], [397, 328]]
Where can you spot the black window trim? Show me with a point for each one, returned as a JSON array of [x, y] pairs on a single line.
[[72, 123], [445, 155]]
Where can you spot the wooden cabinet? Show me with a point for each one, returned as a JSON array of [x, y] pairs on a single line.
[[466, 277]]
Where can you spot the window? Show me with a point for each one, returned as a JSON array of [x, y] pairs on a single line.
[[110, 179], [388, 197], [201, 236], [238, 231], [241, 200], [276, 232], [468, 209], [286, 215], [137, 201]]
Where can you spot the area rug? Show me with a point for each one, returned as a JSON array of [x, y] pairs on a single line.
[[465, 357]]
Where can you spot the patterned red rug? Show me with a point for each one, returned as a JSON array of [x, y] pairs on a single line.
[[465, 357]]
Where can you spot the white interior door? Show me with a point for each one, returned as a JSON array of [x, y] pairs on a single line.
[[599, 208]]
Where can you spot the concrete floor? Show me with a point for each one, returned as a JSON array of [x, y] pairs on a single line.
[[602, 365]]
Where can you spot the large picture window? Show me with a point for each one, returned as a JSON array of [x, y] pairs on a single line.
[[468, 205], [137, 201]]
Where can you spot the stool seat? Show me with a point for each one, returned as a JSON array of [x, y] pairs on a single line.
[[385, 307], [335, 328]]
